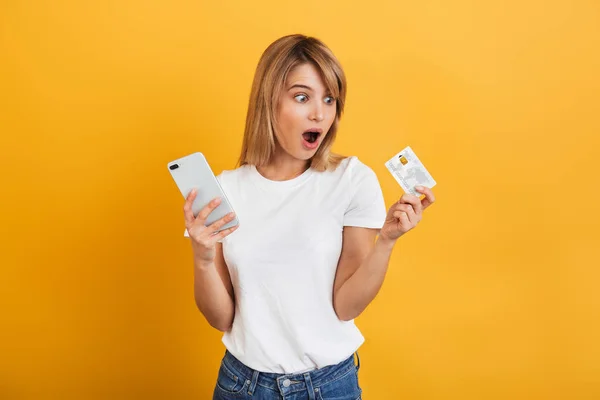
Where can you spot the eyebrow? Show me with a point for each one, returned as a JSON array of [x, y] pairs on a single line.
[[297, 85]]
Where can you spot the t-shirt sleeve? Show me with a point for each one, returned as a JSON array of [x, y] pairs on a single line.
[[367, 205]]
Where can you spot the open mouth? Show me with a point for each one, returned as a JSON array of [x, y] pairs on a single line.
[[311, 136]]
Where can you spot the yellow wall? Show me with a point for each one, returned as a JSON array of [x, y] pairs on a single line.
[[493, 296]]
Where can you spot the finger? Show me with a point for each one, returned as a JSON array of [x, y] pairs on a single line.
[[429, 197], [413, 217], [187, 207], [410, 212], [404, 207], [210, 207], [404, 219], [399, 214], [215, 226], [225, 232], [412, 200]]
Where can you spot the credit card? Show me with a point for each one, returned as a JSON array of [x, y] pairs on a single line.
[[409, 171]]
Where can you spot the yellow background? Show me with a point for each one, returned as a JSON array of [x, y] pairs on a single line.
[[493, 296]]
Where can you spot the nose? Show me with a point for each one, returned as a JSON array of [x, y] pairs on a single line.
[[316, 112]]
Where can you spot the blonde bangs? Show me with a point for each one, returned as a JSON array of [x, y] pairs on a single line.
[[331, 72]]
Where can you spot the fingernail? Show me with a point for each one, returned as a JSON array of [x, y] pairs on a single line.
[[419, 187]]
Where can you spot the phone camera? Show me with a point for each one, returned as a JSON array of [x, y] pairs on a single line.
[[174, 166]]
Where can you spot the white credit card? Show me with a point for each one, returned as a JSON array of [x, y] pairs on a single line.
[[409, 171]]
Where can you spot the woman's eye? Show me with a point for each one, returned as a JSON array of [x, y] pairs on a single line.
[[329, 100], [301, 98]]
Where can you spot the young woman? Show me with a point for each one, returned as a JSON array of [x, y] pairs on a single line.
[[313, 243]]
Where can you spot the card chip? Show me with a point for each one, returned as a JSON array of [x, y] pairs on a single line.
[[409, 172]]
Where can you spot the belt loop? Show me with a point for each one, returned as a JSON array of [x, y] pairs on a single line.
[[357, 360], [253, 383], [309, 387]]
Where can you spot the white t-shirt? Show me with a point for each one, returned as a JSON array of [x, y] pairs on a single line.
[[283, 259]]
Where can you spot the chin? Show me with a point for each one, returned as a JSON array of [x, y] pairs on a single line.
[[307, 154], [304, 156]]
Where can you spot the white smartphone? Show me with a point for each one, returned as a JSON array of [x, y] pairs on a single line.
[[193, 171]]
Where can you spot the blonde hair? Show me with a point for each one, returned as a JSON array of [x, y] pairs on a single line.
[[271, 74]]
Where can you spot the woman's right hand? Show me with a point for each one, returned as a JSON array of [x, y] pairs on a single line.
[[204, 238]]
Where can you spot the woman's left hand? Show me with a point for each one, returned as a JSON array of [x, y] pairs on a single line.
[[406, 214]]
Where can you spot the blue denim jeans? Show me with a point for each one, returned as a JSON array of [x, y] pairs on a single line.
[[237, 381]]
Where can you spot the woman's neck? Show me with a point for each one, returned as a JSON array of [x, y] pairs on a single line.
[[283, 168]]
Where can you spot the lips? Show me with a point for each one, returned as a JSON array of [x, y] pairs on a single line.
[[312, 135]]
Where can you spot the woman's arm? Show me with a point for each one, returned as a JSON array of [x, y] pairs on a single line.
[[213, 291], [362, 265], [360, 272]]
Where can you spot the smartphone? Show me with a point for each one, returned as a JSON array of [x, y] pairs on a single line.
[[193, 171]]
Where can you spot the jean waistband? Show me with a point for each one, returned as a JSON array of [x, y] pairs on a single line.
[[290, 382]]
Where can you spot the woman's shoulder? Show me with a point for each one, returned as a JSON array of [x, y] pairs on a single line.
[[230, 175], [353, 166]]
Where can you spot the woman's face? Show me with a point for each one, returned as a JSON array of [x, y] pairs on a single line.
[[306, 112]]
